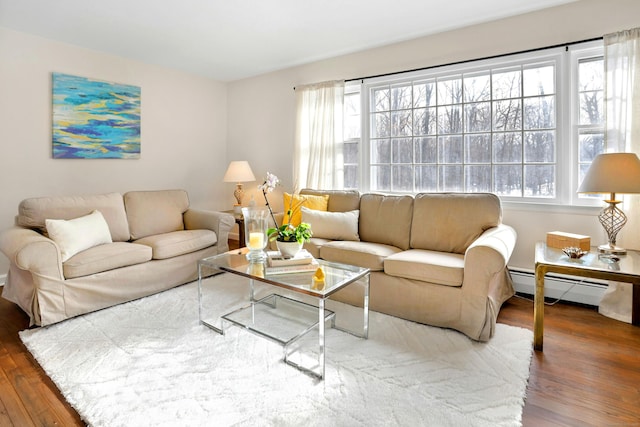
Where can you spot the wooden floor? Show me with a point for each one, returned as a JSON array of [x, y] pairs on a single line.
[[588, 375]]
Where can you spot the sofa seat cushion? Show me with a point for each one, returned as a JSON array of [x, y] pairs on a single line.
[[362, 254], [314, 244], [105, 257], [176, 243], [441, 268]]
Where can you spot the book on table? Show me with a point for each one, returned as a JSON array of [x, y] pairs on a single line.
[[302, 262], [288, 269], [275, 258]]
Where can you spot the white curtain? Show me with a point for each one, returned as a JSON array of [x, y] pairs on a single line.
[[317, 158], [622, 134]]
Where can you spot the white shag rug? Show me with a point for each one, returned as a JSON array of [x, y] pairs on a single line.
[[151, 363]]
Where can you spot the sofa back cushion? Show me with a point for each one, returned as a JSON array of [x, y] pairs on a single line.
[[33, 212], [450, 222], [386, 219], [339, 200], [155, 212]]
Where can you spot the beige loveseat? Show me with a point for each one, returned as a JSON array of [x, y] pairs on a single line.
[[436, 258], [156, 240]]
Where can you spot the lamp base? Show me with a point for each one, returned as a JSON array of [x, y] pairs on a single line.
[[611, 250]]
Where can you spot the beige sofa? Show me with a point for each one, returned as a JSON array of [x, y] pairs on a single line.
[[436, 258], [155, 242]]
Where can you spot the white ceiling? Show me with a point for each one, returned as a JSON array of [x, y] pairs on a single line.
[[233, 39]]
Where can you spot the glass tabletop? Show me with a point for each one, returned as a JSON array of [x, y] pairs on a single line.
[[337, 275], [593, 260]]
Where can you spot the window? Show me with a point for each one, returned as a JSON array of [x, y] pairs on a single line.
[[525, 127]]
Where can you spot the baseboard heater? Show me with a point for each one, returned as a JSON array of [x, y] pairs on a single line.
[[560, 287]]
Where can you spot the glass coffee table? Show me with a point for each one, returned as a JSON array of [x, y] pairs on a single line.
[[296, 307]]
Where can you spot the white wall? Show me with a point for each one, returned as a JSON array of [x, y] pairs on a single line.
[[262, 109], [183, 122]]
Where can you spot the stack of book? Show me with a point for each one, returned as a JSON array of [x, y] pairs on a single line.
[[303, 261]]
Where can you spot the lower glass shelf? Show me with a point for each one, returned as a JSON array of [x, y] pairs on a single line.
[[278, 318]]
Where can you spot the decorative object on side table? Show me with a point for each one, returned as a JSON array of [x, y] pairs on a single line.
[[289, 238], [612, 173], [255, 232], [574, 253], [560, 240], [238, 171]]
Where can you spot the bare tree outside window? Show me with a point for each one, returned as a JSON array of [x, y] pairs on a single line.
[[471, 132]]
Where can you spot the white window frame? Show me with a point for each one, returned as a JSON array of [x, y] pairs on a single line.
[[567, 111]]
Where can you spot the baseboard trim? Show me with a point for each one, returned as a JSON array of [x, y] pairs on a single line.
[[560, 287]]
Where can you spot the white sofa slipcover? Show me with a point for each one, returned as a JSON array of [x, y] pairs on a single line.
[[157, 240], [435, 258]]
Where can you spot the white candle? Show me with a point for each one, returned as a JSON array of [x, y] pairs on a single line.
[[256, 240]]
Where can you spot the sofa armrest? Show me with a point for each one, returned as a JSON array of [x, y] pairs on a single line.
[[219, 222], [500, 239], [31, 251], [489, 254], [487, 283]]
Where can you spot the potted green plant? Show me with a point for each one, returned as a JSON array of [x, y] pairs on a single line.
[[291, 235]]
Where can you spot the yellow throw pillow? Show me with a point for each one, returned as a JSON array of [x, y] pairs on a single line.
[[318, 203]]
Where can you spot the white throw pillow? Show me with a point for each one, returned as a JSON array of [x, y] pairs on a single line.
[[332, 225], [76, 235]]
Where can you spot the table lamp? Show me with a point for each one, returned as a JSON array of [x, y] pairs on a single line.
[[612, 173], [238, 171]]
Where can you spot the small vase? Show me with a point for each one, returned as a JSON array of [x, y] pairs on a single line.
[[288, 249]]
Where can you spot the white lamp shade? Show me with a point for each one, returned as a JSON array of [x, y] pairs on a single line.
[[239, 171], [612, 173]]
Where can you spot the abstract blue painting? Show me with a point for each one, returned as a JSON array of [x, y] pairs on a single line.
[[93, 119]]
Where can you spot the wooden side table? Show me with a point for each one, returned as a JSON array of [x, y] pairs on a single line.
[[240, 221], [551, 260]]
